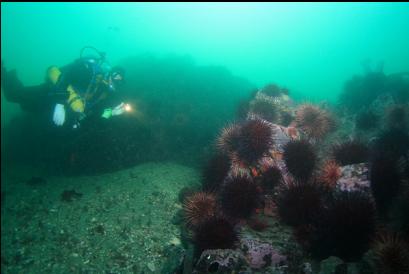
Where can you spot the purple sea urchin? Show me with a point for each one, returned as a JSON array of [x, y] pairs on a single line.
[[299, 202], [215, 233], [300, 159], [350, 152], [215, 172], [239, 197], [391, 254], [344, 228], [385, 181], [271, 178]]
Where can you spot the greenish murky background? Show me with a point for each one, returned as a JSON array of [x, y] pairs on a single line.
[[107, 197], [310, 48]]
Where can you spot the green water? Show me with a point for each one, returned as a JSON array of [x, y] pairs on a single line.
[[107, 197], [311, 48]]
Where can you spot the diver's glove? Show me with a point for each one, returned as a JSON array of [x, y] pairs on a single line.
[[118, 110], [59, 115]]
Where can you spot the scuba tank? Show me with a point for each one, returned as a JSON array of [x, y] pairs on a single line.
[[98, 65], [81, 80]]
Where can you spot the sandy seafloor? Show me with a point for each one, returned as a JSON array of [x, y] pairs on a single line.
[[122, 223], [125, 222]]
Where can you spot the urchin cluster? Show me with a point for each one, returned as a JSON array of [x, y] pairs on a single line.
[[248, 141], [273, 90], [271, 178], [265, 108]]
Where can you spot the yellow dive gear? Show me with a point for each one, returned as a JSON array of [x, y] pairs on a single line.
[[53, 73], [75, 101]]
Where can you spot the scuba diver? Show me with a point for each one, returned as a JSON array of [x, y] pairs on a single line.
[[71, 93]]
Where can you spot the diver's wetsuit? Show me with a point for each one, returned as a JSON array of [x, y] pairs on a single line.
[[42, 98]]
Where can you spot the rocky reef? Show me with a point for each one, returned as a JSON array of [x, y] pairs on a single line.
[[298, 199]]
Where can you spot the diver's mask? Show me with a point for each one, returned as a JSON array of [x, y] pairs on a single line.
[[116, 78]]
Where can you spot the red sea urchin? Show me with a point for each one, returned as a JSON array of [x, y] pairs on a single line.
[[255, 141], [239, 197], [198, 208], [330, 173], [314, 121], [227, 141]]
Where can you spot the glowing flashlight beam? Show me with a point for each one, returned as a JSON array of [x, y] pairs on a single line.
[[128, 107]]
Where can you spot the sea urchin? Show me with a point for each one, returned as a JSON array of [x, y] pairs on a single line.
[[198, 208], [330, 173], [345, 227], [255, 140], [300, 159], [392, 254], [299, 202], [239, 197], [350, 152], [314, 121], [215, 233]]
